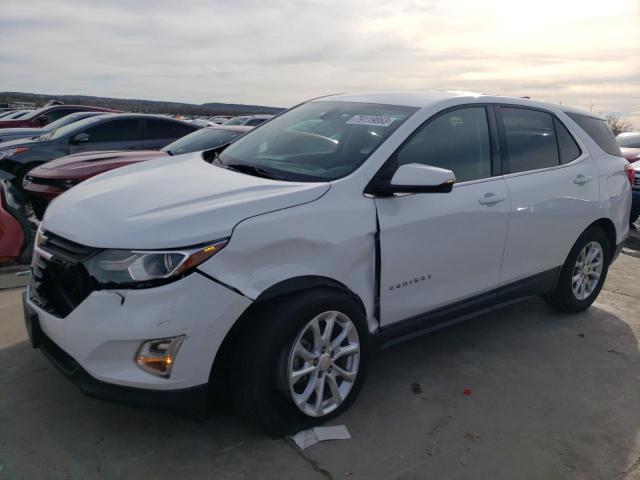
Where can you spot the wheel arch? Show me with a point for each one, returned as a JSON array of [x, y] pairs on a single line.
[[609, 228], [223, 357]]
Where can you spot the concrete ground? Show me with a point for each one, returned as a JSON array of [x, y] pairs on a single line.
[[551, 396]]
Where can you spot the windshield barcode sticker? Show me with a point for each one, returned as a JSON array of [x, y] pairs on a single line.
[[372, 120]]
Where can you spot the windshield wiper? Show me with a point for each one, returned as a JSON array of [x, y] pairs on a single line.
[[255, 171]]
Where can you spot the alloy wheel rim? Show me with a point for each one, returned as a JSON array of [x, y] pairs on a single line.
[[587, 270], [323, 363]]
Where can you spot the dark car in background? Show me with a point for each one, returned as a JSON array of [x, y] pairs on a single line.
[[45, 115], [629, 143], [44, 183], [125, 131], [7, 134]]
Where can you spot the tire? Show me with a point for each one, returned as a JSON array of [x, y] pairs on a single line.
[[567, 295], [262, 364]]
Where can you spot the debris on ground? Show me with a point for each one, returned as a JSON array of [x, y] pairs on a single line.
[[416, 388], [467, 391], [472, 436], [308, 438]]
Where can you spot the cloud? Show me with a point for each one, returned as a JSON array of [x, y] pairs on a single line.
[[580, 52]]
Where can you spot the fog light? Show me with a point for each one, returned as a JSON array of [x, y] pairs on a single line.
[[158, 356]]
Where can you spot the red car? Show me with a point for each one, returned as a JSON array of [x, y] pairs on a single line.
[[45, 115], [16, 231], [44, 183]]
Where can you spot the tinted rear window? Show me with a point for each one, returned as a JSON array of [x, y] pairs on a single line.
[[599, 132]]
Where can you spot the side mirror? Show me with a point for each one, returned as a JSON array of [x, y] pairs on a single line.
[[79, 138], [417, 178], [43, 120]]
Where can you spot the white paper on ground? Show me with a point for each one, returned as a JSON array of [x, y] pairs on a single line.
[[308, 438]]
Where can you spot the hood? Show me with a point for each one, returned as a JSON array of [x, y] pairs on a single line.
[[10, 132], [22, 142], [87, 164], [631, 154], [168, 203], [15, 123]]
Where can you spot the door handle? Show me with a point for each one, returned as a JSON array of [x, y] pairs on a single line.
[[491, 198], [582, 179]]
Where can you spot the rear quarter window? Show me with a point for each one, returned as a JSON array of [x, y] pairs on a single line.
[[599, 132]]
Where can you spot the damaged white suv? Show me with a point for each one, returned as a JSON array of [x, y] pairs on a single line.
[[273, 269]]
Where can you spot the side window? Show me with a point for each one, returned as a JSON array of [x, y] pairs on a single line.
[[457, 140], [569, 149], [116, 130], [159, 129], [531, 139], [599, 131], [254, 122]]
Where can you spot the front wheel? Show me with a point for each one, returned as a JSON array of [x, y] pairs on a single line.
[[583, 273], [301, 362]]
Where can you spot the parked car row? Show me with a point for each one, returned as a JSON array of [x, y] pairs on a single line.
[[629, 143], [7, 134], [45, 115], [13, 114], [123, 131], [49, 180]]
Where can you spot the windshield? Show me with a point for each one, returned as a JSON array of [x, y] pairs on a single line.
[[71, 118], [34, 113], [629, 141], [204, 139], [317, 141], [65, 130], [236, 121]]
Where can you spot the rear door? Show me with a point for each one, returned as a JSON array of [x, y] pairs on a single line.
[[437, 249], [554, 191], [159, 132], [111, 134]]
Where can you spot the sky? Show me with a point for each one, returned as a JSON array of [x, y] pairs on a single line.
[[584, 53]]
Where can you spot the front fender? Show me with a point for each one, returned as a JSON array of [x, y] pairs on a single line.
[[328, 238]]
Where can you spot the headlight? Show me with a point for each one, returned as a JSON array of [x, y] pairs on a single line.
[[12, 151], [135, 268]]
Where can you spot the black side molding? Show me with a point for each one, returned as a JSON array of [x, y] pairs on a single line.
[[422, 324]]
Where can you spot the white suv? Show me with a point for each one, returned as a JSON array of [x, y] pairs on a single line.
[[273, 269]]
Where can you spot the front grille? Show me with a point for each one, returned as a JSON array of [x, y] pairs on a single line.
[[61, 282], [55, 182], [636, 182]]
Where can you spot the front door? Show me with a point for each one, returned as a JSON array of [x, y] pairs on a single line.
[[440, 248]]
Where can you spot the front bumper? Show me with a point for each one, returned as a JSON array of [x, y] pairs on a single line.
[[41, 190], [96, 344]]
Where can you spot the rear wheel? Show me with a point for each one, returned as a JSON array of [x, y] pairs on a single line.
[[301, 362], [583, 273]]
